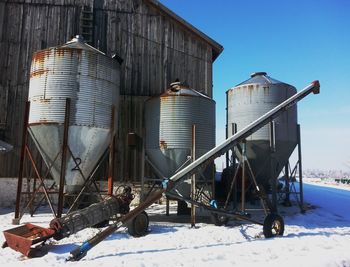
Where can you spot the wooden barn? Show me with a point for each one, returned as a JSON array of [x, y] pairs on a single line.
[[156, 46]]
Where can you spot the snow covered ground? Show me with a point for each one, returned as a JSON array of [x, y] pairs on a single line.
[[321, 237]]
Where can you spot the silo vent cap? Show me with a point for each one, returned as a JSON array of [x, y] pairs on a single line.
[[259, 73], [175, 86], [78, 38]]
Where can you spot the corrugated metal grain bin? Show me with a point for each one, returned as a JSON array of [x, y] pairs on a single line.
[[169, 120], [248, 101], [90, 79]]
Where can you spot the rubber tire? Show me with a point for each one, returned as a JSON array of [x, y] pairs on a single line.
[[139, 225], [219, 220], [270, 223]]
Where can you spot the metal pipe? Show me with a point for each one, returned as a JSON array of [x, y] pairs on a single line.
[[227, 153], [167, 207], [273, 136], [143, 155], [193, 178], [301, 189], [21, 163], [64, 159], [287, 185], [272, 167], [111, 155], [244, 157]]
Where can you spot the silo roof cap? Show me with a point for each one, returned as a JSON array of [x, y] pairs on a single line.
[[260, 78], [78, 42], [181, 89]]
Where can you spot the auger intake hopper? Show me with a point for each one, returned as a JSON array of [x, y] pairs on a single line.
[[24, 237]]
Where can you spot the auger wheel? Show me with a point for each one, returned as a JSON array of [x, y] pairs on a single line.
[[273, 225], [139, 225], [219, 220]]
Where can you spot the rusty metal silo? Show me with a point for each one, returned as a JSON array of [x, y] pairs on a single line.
[[90, 79], [249, 100], [169, 120]]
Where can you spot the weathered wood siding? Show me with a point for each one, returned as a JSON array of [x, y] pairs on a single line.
[[155, 50]]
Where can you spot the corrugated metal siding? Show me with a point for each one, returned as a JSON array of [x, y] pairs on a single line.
[[90, 79], [246, 103], [178, 114], [169, 121], [156, 51]]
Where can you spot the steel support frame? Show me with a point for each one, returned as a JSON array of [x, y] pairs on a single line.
[[238, 215], [290, 179], [243, 163], [26, 154], [193, 177], [63, 158]]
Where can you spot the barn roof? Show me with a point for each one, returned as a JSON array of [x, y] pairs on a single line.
[[217, 48]]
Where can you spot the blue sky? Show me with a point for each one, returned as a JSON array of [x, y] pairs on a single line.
[[295, 42]]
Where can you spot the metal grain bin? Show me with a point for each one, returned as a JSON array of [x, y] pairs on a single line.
[[90, 79], [169, 120], [248, 101]]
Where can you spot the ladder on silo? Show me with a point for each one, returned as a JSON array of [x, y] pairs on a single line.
[[87, 24], [221, 149]]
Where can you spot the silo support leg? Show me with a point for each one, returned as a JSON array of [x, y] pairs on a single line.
[[64, 159], [232, 186], [111, 154], [193, 177], [21, 163], [301, 188], [286, 201], [265, 202]]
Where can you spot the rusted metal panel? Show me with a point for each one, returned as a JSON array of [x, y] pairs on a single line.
[[23, 237], [87, 77]]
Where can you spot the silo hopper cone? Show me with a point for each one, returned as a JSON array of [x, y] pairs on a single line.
[[87, 145]]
